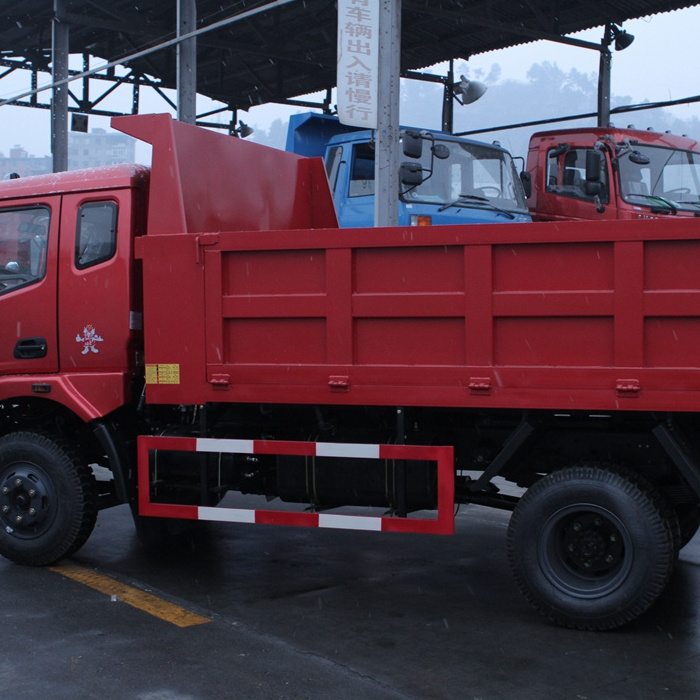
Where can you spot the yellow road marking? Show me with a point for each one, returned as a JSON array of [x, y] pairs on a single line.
[[147, 602]]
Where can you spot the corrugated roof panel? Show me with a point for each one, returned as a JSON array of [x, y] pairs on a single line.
[[291, 50]]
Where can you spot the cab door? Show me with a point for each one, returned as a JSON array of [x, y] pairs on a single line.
[[566, 197], [350, 171], [97, 315], [28, 286]]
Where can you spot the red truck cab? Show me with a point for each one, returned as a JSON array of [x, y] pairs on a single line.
[[67, 283], [608, 173]]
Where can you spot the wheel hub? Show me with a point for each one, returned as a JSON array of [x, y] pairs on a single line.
[[591, 544], [24, 501], [585, 551]]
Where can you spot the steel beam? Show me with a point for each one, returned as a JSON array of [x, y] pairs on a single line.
[[604, 71], [60, 33], [386, 164], [187, 62]]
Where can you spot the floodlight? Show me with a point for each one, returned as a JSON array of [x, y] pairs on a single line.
[[243, 130], [468, 90], [622, 38]]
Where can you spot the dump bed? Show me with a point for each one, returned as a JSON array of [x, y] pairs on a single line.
[[575, 316], [581, 315]]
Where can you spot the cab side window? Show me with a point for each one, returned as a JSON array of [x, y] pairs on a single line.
[[335, 157], [96, 235], [362, 175], [566, 174], [23, 243]]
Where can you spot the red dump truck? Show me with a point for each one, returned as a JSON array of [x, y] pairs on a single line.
[[203, 338]]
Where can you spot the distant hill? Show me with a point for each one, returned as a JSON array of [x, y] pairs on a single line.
[[547, 92]]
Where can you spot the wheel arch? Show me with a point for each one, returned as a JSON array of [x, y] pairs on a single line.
[[100, 441]]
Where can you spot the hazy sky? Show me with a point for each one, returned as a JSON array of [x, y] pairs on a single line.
[[661, 64]]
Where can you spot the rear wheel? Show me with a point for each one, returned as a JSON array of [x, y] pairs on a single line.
[[590, 547], [48, 502]]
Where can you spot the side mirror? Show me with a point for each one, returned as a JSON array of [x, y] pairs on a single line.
[[412, 144], [558, 150], [639, 158], [411, 174], [526, 179], [593, 188], [440, 151], [594, 164]]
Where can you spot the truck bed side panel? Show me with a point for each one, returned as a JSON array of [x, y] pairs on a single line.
[[572, 316]]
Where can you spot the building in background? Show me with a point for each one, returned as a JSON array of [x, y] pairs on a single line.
[[84, 151], [19, 161], [99, 148]]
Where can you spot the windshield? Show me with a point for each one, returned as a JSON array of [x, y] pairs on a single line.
[[671, 177], [471, 171]]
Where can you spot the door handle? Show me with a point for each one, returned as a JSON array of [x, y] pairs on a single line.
[[30, 348]]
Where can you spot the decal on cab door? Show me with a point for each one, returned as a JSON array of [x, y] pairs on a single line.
[[89, 339]]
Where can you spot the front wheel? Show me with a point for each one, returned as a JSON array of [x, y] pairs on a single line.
[[48, 502], [590, 547]]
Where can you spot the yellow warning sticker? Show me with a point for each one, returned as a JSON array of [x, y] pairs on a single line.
[[163, 374]]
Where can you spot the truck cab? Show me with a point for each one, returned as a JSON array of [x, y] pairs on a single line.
[[444, 179], [67, 283], [609, 173]]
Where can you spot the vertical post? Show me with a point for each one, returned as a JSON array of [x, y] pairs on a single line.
[[85, 102], [34, 85], [604, 78], [448, 100], [400, 465], [135, 95], [234, 120], [386, 164], [60, 34], [186, 62]]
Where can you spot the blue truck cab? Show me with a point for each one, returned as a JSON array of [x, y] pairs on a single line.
[[444, 179]]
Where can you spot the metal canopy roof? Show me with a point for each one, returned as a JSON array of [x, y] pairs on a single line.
[[290, 50]]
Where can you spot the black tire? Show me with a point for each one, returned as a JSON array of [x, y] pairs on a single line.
[[591, 548], [48, 501]]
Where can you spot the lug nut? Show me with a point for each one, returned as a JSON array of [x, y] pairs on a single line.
[[609, 559], [18, 481], [5, 490], [613, 538], [32, 511], [32, 493], [577, 527], [597, 522], [6, 509], [18, 519]]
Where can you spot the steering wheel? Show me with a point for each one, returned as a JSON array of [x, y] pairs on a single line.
[[490, 191], [678, 190]]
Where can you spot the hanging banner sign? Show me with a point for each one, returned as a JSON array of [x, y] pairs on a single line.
[[358, 62]]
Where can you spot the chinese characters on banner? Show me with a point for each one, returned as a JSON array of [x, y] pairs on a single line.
[[358, 62]]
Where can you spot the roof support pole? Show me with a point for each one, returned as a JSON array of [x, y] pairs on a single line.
[[604, 78], [60, 34], [386, 164], [448, 100], [187, 62]]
